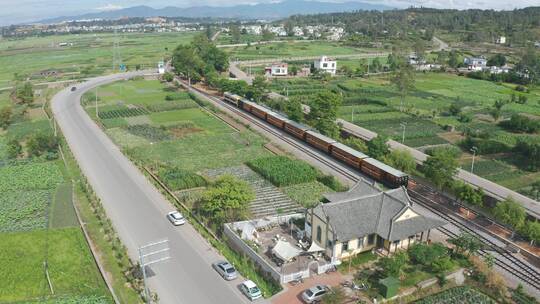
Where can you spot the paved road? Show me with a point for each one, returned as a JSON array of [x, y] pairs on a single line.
[[137, 210]]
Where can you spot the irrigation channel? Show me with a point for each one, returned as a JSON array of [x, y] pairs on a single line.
[[503, 259]]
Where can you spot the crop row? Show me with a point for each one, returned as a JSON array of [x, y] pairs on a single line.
[[23, 210], [283, 171], [179, 179], [127, 112], [34, 176]]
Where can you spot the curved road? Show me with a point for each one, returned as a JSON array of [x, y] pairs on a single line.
[[137, 209]]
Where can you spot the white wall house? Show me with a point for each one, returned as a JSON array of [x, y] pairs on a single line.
[[325, 64], [501, 40], [277, 69], [475, 63]]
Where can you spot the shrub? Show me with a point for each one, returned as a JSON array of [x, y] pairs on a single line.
[[520, 123], [283, 171], [178, 179], [425, 254], [332, 183]]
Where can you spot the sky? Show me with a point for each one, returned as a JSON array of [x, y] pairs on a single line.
[[20, 11]]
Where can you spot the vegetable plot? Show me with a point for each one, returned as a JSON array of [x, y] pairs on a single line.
[[458, 295], [283, 171]]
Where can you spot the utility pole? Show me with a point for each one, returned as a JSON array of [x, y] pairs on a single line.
[[150, 254], [473, 150], [403, 125], [352, 115]]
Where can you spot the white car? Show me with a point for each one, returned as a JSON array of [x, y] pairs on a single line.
[[251, 290], [176, 218], [315, 293]]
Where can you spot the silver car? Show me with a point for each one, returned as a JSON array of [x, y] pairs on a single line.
[[225, 269], [176, 218], [315, 293]]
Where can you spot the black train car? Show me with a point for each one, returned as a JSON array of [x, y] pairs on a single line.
[[347, 155], [295, 129], [319, 141], [384, 173]]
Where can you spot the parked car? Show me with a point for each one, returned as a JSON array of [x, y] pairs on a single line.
[[176, 218], [73, 89], [225, 269], [250, 290], [315, 293]]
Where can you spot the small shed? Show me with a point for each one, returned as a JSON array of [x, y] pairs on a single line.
[[388, 287]]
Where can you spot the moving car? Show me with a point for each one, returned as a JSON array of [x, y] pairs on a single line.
[[315, 293], [225, 269], [176, 218], [73, 89], [250, 290]]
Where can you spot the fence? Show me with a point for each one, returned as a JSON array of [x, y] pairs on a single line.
[[238, 244], [286, 278]]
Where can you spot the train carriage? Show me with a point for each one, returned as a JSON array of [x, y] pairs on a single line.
[[232, 98], [295, 129], [384, 173], [259, 111], [276, 119], [319, 141], [246, 105], [347, 155]]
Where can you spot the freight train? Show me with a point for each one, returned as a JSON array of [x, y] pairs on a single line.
[[369, 166]]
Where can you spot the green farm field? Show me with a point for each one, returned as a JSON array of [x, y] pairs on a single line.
[[374, 103], [89, 51], [293, 49], [38, 223]]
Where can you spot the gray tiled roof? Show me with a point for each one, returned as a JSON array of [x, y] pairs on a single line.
[[365, 210]]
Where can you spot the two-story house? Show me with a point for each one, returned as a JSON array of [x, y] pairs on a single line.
[[365, 218], [325, 64]]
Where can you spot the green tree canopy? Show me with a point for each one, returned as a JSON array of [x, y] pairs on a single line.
[[378, 148], [293, 109], [324, 107], [402, 160], [440, 167], [510, 212], [403, 80], [6, 114], [227, 199], [393, 266]]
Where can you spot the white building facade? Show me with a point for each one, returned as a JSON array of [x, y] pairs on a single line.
[[325, 64]]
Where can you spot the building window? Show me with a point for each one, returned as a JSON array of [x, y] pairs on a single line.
[[324, 65], [344, 246], [329, 244], [371, 239], [319, 233], [333, 64]]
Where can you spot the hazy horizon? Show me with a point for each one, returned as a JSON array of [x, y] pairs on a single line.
[[16, 12]]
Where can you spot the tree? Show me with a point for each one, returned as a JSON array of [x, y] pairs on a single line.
[[234, 29], [187, 62], [535, 188], [441, 167], [6, 113], [334, 296], [453, 60], [356, 143], [169, 77], [376, 66], [257, 89], [25, 93], [402, 160], [466, 243], [323, 113], [289, 28], [378, 148], [403, 80], [495, 113], [209, 32], [442, 264], [425, 254], [497, 60], [42, 144], [14, 149], [227, 199], [510, 212], [531, 230], [455, 108], [466, 193], [420, 49], [267, 35], [393, 266], [293, 109]]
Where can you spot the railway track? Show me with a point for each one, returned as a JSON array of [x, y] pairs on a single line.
[[505, 259], [516, 267]]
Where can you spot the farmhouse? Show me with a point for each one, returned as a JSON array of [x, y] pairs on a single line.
[[325, 64], [501, 40], [365, 218], [276, 69], [475, 63]]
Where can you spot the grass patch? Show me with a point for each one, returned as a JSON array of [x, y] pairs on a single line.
[[71, 267], [307, 194], [114, 123], [283, 171], [62, 213], [178, 179], [357, 260]]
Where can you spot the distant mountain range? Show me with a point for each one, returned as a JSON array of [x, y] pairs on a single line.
[[268, 11]]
